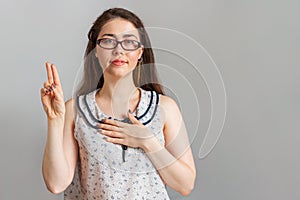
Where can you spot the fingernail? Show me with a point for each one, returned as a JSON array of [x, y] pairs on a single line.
[[103, 120]]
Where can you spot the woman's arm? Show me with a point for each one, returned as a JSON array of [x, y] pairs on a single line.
[[174, 161], [61, 152]]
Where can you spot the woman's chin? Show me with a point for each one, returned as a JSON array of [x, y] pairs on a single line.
[[118, 74]]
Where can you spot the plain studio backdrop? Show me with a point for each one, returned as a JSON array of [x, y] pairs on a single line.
[[254, 44]]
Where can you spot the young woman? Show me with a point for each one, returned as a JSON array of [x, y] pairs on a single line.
[[120, 137]]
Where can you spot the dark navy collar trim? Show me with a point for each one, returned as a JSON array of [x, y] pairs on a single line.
[[86, 119], [98, 121], [89, 110]]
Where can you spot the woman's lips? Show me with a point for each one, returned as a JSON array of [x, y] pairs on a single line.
[[118, 62]]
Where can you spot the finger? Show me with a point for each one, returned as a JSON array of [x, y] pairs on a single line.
[[133, 119], [113, 122], [46, 91], [46, 84], [115, 140], [43, 92], [49, 72], [111, 134], [109, 127], [49, 88], [55, 75]]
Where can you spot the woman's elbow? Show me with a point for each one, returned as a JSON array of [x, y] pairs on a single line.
[[55, 185], [55, 189], [186, 191], [188, 188]]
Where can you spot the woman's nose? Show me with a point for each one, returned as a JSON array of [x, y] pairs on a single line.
[[118, 49]]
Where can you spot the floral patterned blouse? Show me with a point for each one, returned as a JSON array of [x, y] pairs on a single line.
[[105, 170]]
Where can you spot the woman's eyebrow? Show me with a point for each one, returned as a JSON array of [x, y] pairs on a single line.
[[108, 34], [129, 35], [124, 36]]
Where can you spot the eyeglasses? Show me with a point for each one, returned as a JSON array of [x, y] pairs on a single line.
[[128, 45]]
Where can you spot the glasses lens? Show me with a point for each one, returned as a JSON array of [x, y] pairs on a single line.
[[130, 45], [107, 43]]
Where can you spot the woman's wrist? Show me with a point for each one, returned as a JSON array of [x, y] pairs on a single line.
[[152, 145], [60, 120]]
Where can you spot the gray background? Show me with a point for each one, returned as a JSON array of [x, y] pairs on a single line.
[[255, 45]]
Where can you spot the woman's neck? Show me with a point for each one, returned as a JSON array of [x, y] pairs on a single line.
[[120, 89], [116, 97]]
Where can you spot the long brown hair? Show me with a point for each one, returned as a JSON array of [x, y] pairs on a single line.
[[148, 74]]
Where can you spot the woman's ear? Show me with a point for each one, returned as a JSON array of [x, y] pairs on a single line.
[[141, 52], [95, 52]]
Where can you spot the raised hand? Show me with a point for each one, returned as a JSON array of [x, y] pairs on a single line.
[[52, 94]]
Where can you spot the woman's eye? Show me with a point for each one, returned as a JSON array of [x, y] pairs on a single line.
[[129, 41], [107, 41]]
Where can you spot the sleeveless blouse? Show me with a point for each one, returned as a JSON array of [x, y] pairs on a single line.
[[101, 173]]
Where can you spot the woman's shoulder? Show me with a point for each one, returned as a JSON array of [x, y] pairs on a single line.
[[70, 102], [167, 102], [164, 100], [70, 108], [170, 111]]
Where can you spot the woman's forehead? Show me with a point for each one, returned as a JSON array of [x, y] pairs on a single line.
[[119, 28]]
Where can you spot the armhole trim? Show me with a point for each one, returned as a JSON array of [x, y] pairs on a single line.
[[155, 109], [149, 106]]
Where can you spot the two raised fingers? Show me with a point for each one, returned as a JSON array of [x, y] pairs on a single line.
[[53, 80], [52, 74]]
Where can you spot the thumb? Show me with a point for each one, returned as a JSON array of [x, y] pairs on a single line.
[[133, 119]]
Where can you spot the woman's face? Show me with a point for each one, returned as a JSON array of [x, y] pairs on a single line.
[[117, 61]]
